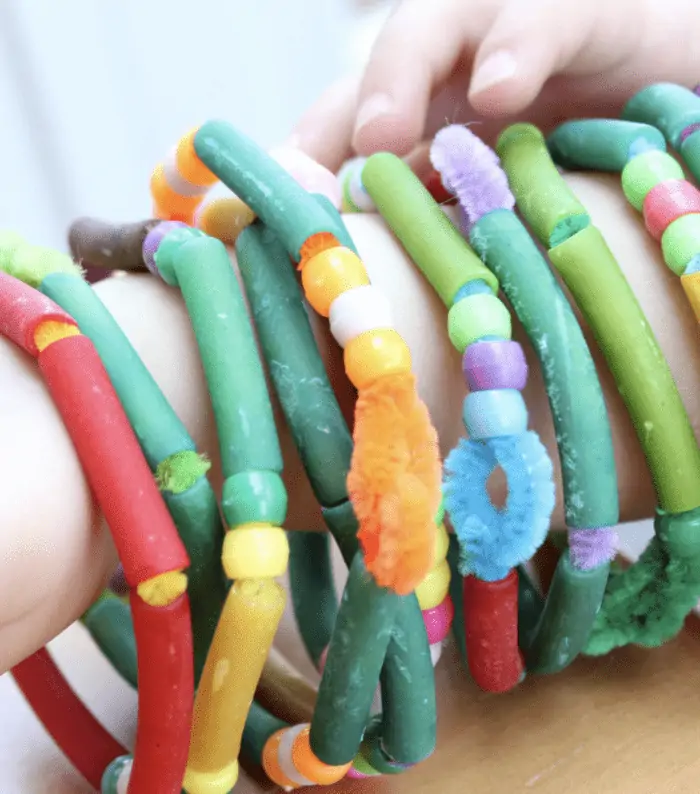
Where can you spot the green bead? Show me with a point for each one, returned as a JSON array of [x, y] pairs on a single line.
[[643, 173], [681, 242], [362, 765], [254, 497], [112, 777], [690, 152], [475, 317]]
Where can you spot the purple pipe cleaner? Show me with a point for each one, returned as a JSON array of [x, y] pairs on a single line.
[[696, 90], [591, 548], [472, 172]]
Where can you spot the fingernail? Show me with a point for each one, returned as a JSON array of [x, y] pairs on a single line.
[[497, 68], [372, 108]]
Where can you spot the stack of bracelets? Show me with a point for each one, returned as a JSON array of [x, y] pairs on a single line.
[[195, 633]]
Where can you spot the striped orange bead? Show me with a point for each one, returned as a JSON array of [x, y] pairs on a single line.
[[310, 766], [189, 165], [271, 764], [328, 274], [168, 204]]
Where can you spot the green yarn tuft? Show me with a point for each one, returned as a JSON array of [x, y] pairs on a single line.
[[180, 471], [647, 604], [32, 263]]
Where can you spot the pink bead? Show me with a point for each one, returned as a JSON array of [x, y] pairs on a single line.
[[353, 774], [312, 176], [668, 201], [439, 620], [489, 366]]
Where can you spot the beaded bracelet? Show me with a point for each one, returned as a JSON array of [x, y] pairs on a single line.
[[153, 556], [647, 603], [652, 180], [395, 496], [493, 542], [579, 413]]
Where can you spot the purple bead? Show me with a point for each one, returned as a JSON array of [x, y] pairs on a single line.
[[495, 365], [696, 90], [153, 240]]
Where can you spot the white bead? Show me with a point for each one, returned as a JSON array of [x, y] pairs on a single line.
[[435, 653], [176, 181], [358, 194], [359, 310], [284, 756]]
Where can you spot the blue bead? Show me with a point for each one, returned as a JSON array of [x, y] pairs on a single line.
[[494, 413], [477, 287]]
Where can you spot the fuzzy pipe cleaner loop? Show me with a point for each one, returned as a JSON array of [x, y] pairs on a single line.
[[394, 482]]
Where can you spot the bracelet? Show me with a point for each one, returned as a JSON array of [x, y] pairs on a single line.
[[153, 556], [493, 542], [647, 603], [580, 417], [652, 180]]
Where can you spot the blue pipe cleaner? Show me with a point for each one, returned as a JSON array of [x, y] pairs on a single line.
[[493, 541]]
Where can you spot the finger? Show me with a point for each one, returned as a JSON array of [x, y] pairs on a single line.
[[418, 49], [528, 43], [325, 130]]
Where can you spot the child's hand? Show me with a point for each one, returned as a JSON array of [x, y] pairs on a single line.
[[444, 61]]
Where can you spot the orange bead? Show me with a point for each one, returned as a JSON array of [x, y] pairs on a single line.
[[311, 767], [691, 287], [169, 204], [375, 354], [329, 274], [190, 166], [271, 764]]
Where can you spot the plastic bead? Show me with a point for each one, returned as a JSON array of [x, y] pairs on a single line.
[[255, 551], [690, 152], [117, 775], [289, 761], [154, 237], [475, 317], [308, 765], [375, 354], [189, 166], [493, 414], [495, 365], [312, 176], [357, 311], [224, 218], [329, 274], [435, 653], [168, 204], [251, 497], [434, 588], [438, 620], [355, 196], [680, 242], [691, 287], [643, 173], [667, 202]]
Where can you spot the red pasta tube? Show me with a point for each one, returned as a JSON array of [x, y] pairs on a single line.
[[166, 695], [23, 310], [81, 737], [143, 531], [491, 631]]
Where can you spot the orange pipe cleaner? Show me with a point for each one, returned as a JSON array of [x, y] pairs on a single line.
[[394, 482]]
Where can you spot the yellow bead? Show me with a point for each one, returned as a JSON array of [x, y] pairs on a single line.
[[433, 589], [255, 551], [691, 286], [220, 782], [442, 544], [375, 354], [164, 589], [330, 273]]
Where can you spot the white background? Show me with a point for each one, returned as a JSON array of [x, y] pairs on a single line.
[[93, 94]]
